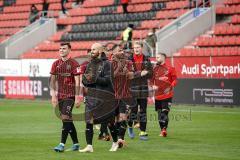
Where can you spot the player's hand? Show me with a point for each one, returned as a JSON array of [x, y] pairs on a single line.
[[54, 101], [154, 87], [163, 78], [125, 70], [77, 101], [88, 77], [130, 75], [144, 73], [85, 90]]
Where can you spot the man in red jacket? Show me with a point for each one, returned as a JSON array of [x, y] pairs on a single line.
[[139, 87], [164, 78]]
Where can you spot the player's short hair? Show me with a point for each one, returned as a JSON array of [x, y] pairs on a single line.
[[130, 25], [138, 43], [66, 43], [164, 55]]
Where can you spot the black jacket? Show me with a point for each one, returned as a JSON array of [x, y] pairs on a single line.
[[102, 74], [100, 98], [139, 85]]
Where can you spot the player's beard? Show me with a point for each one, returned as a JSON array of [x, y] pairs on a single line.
[[95, 55]]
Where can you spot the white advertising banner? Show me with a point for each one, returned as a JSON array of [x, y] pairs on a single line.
[[36, 67], [26, 67], [10, 67]]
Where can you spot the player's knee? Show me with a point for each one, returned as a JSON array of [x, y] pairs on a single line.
[[164, 116], [122, 117]]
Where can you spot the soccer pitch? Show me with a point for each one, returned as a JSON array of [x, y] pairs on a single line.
[[29, 130]]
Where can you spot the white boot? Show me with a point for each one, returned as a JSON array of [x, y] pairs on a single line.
[[89, 148], [114, 147]]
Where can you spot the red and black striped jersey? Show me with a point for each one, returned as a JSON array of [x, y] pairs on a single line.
[[121, 82], [65, 72]]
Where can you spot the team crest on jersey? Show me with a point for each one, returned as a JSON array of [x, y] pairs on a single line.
[[78, 69], [68, 66]]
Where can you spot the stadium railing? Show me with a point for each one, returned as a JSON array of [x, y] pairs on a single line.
[[186, 28]]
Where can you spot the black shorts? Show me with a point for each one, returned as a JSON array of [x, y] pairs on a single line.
[[163, 104], [116, 113], [66, 106], [100, 106], [125, 104]]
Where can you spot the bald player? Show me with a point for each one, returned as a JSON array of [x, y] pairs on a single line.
[[99, 108]]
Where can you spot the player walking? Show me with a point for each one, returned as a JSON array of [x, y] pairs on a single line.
[[139, 88], [123, 73], [100, 99], [164, 78], [64, 84]]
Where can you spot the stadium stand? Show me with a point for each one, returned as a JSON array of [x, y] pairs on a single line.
[[15, 14], [223, 39], [104, 20]]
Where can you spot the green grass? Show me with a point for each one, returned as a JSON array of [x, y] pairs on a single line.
[[29, 130]]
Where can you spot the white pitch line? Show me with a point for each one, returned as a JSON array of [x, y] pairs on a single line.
[[192, 111]]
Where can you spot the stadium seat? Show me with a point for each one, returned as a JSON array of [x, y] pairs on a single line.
[[101, 20]]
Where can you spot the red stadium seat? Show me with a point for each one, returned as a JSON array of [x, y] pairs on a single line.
[[84, 11], [231, 40], [71, 20], [212, 41], [237, 40], [236, 30], [150, 24]]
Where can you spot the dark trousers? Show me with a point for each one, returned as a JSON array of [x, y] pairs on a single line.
[[104, 129], [142, 114], [124, 6], [63, 6]]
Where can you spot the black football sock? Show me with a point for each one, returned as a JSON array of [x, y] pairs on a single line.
[[89, 133], [65, 130], [113, 131], [166, 118], [159, 119], [122, 129], [117, 125], [163, 119], [73, 134], [104, 129]]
